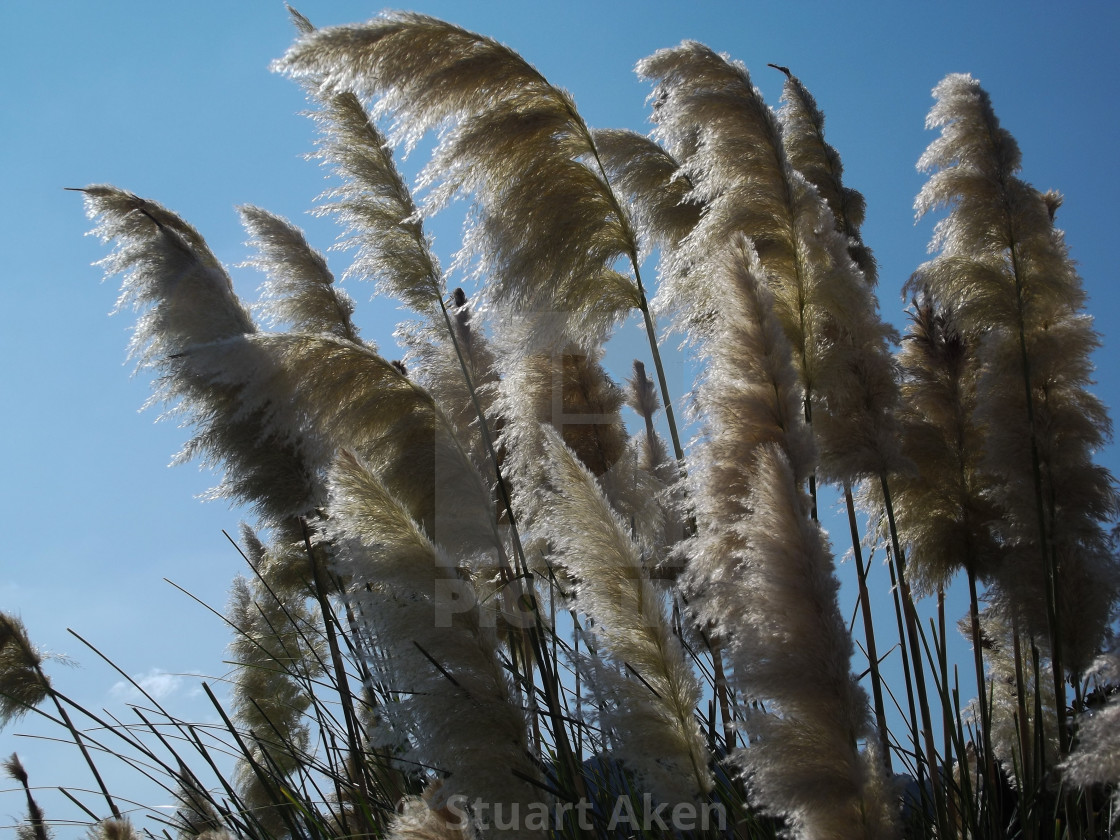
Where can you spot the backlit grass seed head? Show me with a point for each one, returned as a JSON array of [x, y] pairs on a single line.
[[943, 504], [547, 229], [453, 698], [300, 290], [659, 735], [791, 651], [117, 829], [802, 124], [169, 274], [22, 683], [659, 193], [374, 206]]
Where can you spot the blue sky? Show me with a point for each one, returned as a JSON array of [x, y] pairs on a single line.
[[176, 102]]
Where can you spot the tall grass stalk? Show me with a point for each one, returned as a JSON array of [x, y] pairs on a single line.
[[479, 607]]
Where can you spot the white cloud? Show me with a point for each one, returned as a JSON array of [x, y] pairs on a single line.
[[160, 684]]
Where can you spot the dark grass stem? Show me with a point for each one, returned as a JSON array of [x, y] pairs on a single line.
[[342, 682], [869, 632], [909, 613], [79, 740]]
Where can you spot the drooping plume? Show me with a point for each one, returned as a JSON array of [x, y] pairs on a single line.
[[187, 302], [547, 228], [352, 398], [300, 291], [658, 190]]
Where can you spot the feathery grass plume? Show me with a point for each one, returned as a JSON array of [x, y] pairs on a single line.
[[1069, 425], [283, 565], [758, 548], [169, 274], [715, 123], [35, 828], [741, 174], [380, 218], [1005, 269], [749, 397], [374, 205], [658, 191], [547, 229], [1096, 758], [440, 655], [810, 154], [658, 735], [567, 388], [790, 649], [348, 396], [943, 506], [22, 682], [186, 301], [113, 829], [300, 290]]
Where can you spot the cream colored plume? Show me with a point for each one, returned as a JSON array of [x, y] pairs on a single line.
[[187, 303], [440, 656], [1005, 270], [169, 274], [300, 291], [943, 505], [1009, 705], [656, 691], [657, 188], [374, 206], [790, 651], [707, 108], [547, 229], [762, 577], [749, 398], [346, 396], [810, 154]]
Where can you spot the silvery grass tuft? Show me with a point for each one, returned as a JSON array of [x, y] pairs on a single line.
[[477, 604]]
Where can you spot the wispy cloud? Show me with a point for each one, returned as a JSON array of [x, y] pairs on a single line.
[[160, 684]]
